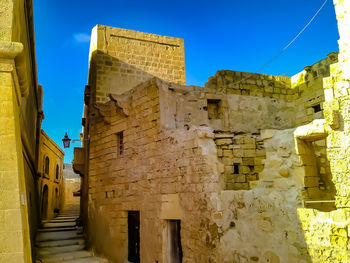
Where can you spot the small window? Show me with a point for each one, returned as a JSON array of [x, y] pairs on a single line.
[[57, 171], [120, 142], [235, 169], [213, 109], [47, 165], [317, 108]]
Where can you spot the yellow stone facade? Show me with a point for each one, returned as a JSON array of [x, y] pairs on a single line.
[[20, 118], [50, 172]]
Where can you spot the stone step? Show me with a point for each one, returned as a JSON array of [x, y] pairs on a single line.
[[59, 243], [58, 250], [59, 224], [57, 229], [89, 260], [65, 217], [65, 256], [58, 235]]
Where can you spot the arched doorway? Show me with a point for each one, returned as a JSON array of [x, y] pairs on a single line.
[[44, 201]]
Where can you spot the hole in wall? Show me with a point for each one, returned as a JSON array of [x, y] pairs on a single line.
[[317, 108]]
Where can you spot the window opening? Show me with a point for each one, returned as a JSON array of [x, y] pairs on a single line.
[[120, 142], [213, 109], [235, 169], [47, 165], [57, 171], [317, 108]]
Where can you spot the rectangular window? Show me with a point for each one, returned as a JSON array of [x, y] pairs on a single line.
[[134, 236], [120, 142], [174, 234], [213, 109]]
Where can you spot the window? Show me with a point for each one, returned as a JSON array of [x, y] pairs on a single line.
[[57, 171], [317, 108], [213, 109], [47, 165], [236, 168], [120, 142]]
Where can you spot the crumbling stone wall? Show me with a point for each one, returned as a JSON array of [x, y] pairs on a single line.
[[327, 233], [243, 156], [253, 84], [309, 86], [120, 59], [163, 174], [188, 106], [168, 173]]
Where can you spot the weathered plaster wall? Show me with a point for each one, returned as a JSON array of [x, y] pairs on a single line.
[[262, 224], [120, 59]]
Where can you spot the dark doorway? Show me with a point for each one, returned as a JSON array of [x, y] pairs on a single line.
[[134, 236], [175, 241], [44, 202]]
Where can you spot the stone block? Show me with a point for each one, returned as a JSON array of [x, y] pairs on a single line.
[[239, 178], [311, 181]]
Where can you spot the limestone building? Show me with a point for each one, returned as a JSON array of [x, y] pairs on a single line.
[[50, 172], [20, 118], [71, 185], [249, 168]]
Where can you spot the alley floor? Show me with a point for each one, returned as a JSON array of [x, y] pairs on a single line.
[[60, 239]]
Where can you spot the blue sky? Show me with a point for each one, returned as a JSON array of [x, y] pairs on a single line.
[[231, 34]]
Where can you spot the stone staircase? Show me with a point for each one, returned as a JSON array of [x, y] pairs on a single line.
[[60, 239]]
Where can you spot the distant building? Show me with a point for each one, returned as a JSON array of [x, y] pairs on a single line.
[[71, 186], [249, 168], [50, 171]]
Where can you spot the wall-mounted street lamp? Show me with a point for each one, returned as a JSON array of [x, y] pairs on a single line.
[[66, 140]]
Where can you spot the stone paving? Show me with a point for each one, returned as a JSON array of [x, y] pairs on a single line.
[[60, 239]]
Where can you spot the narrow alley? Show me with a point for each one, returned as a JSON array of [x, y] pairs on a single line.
[[60, 239]]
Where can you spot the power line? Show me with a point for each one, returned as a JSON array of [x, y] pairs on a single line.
[[287, 46]]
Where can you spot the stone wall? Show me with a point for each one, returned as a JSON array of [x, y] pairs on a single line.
[[243, 156], [262, 224], [245, 160], [327, 233], [191, 106], [120, 59], [163, 174], [253, 84], [20, 118], [182, 174], [309, 86]]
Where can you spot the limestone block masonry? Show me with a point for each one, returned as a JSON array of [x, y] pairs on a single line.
[[120, 59], [249, 168]]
